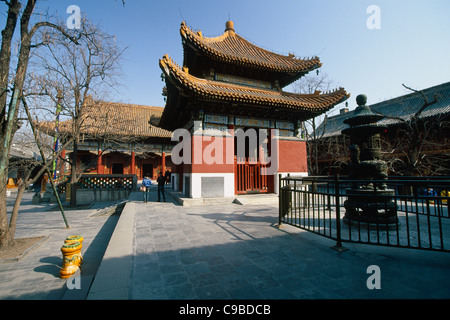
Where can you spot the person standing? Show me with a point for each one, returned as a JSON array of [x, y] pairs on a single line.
[[167, 174], [146, 183], [161, 181]]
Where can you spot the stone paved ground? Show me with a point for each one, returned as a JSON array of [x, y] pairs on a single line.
[[237, 252], [214, 252], [36, 276]]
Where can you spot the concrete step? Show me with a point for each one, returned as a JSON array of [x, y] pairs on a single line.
[[205, 201], [254, 199], [181, 199], [249, 199]]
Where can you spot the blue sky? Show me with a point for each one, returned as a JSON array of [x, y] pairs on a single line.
[[412, 46]]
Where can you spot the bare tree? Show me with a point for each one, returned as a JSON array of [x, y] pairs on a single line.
[[310, 84], [76, 72], [11, 89], [413, 140], [334, 150]]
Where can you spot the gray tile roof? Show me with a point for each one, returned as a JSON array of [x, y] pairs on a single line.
[[402, 107]]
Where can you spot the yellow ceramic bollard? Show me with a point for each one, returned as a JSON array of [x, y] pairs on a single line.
[[11, 184], [72, 258], [74, 238]]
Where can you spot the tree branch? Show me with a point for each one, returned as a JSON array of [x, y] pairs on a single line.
[[55, 26], [425, 99]]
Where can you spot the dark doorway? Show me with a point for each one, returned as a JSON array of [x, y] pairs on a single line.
[[147, 170], [250, 174], [117, 168]]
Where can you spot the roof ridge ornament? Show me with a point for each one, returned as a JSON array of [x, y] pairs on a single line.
[[229, 26]]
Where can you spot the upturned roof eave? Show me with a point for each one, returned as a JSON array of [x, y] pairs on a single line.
[[312, 104], [240, 93], [286, 64]]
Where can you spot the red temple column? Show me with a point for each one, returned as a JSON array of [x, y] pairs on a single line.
[[100, 169], [133, 162], [163, 162], [62, 163]]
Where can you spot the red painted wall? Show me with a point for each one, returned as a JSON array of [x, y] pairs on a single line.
[[202, 143], [292, 156]]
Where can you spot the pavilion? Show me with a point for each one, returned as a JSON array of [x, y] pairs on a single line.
[[228, 90]]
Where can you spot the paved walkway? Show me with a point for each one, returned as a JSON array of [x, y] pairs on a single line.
[[36, 275], [167, 251], [229, 251]]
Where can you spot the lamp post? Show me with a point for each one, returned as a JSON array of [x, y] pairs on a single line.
[[369, 199], [55, 142]]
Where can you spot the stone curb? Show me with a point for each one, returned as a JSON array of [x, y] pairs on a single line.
[[111, 281]]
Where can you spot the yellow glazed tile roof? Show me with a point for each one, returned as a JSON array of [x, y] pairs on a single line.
[[221, 91], [120, 120], [232, 48]]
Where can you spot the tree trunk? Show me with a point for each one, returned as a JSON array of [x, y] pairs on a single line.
[[5, 240], [5, 59], [5, 54], [15, 211], [73, 175]]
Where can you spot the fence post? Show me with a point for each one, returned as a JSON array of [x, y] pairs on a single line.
[[280, 201], [338, 246]]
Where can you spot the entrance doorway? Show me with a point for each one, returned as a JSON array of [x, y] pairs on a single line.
[[147, 170], [117, 168], [249, 178], [248, 169]]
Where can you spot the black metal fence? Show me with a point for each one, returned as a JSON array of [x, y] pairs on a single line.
[[316, 204], [108, 181], [102, 181]]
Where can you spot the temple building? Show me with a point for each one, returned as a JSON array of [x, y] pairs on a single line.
[[420, 118], [243, 130], [115, 138]]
